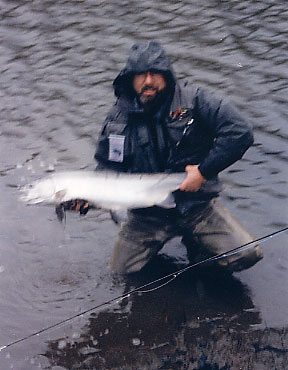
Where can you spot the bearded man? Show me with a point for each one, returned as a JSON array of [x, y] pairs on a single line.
[[156, 125]]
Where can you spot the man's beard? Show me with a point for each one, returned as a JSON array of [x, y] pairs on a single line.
[[152, 101], [147, 99]]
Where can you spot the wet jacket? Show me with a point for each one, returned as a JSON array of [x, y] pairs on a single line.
[[187, 126]]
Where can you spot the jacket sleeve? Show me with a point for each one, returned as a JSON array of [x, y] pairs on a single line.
[[231, 132]]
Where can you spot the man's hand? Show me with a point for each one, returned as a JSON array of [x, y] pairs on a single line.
[[193, 180], [77, 205]]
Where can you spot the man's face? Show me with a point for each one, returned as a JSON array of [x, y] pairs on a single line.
[[148, 85]]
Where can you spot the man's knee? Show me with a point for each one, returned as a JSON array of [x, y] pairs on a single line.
[[139, 239], [242, 260], [220, 232], [128, 260], [132, 252]]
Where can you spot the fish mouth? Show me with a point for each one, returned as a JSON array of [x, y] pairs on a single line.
[[29, 196]]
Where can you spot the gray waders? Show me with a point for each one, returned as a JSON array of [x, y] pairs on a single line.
[[207, 231]]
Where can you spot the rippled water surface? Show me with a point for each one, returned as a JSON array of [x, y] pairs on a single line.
[[57, 62]]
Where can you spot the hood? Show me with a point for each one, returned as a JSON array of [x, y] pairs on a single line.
[[143, 57]]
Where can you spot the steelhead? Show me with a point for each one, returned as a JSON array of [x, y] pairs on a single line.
[[107, 190]]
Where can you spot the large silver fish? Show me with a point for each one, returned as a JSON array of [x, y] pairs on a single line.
[[107, 190]]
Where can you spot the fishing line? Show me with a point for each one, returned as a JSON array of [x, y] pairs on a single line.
[[175, 275], [142, 289]]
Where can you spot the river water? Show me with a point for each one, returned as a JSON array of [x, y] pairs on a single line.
[[57, 62]]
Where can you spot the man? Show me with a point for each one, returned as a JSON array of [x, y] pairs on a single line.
[[156, 125]]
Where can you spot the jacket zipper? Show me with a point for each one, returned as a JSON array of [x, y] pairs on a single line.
[[186, 128]]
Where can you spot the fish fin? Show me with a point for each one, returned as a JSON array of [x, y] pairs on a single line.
[[60, 212], [168, 202], [59, 195]]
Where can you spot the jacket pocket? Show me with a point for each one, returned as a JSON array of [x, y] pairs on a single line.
[[112, 144]]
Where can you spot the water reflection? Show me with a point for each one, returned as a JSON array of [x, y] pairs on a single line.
[[172, 327]]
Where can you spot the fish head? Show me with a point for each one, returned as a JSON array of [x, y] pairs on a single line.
[[41, 191]]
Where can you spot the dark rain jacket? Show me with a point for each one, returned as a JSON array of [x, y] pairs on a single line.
[[187, 126]]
